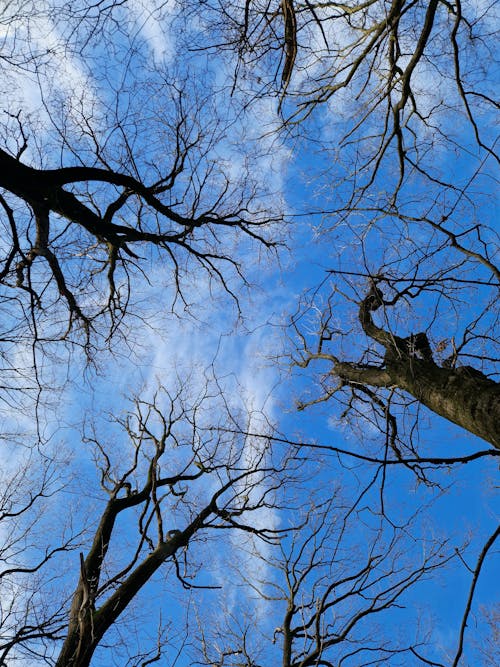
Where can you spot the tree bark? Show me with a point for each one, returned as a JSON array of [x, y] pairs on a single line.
[[462, 395], [88, 625]]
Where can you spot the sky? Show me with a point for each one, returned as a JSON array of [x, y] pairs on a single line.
[[244, 351]]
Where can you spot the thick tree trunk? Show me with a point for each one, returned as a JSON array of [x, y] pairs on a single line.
[[462, 395], [87, 626]]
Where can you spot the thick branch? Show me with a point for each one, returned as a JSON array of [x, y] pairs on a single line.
[[462, 395]]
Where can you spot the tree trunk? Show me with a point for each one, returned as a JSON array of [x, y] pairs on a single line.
[[462, 395]]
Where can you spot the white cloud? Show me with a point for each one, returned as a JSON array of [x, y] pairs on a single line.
[[55, 88], [152, 19]]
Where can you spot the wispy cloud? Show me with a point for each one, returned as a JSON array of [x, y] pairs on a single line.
[[55, 73], [152, 22]]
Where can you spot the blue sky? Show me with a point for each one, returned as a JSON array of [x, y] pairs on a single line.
[[246, 352]]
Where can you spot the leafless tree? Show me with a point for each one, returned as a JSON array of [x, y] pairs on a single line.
[[118, 178], [101, 212], [326, 599], [398, 99], [176, 497], [173, 480], [460, 394], [33, 539], [104, 194]]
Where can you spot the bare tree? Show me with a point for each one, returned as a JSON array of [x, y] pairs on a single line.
[[31, 547], [326, 599], [387, 57], [101, 213], [398, 98], [321, 576], [462, 394], [129, 179], [118, 177], [174, 480]]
